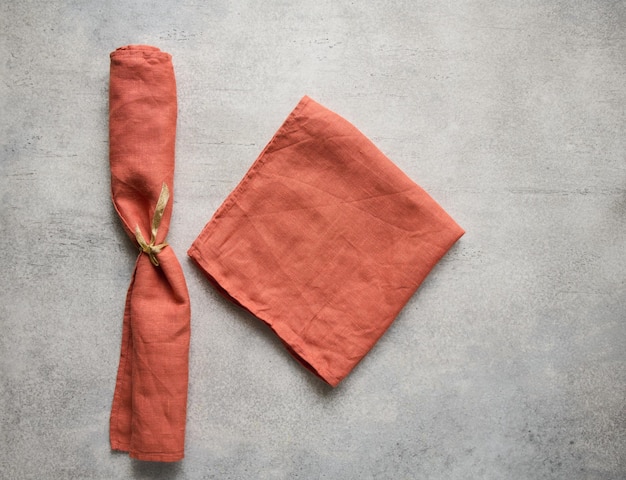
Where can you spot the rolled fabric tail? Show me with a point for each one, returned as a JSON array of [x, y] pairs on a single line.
[[150, 401]]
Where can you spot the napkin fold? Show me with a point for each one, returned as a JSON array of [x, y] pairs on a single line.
[[324, 240], [149, 404]]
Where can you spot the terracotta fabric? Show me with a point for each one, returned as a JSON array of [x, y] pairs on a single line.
[[324, 239], [150, 401]]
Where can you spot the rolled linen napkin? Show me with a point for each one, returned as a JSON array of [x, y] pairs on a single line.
[[324, 239], [150, 400]]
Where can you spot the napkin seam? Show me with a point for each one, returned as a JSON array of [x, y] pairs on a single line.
[[261, 159], [292, 347]]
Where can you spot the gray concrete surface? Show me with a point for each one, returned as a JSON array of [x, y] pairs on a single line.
[[509, 363]]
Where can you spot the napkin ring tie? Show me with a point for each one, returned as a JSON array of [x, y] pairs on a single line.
[[152, 249]]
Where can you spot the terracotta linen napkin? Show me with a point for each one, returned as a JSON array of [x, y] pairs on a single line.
[[324, 239], [150, 400]]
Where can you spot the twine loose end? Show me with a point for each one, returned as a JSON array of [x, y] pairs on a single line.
[[152, 249]]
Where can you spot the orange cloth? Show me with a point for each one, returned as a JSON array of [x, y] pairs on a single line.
[[150, 401], [324, 239]]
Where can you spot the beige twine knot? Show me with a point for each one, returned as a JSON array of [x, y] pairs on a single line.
[[151, 249]]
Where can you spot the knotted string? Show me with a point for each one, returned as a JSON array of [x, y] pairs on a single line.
[[151, 248]]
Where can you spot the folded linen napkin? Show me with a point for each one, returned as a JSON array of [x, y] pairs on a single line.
[[324, 239], [150, 400]]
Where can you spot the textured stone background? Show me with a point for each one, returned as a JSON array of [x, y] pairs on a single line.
[[509, 362]]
